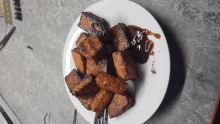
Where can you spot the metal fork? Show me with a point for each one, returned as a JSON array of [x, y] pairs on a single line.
[[74, 120], [101, 119]]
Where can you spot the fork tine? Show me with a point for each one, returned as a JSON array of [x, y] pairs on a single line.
[[106, 116], [74, 120], [97, 119], [103, 117]]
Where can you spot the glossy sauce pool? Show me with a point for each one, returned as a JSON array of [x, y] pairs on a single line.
[[141, 44]]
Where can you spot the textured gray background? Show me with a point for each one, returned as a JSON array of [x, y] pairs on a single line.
[[31, 80]]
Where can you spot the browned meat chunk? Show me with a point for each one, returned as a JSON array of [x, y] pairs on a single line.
[[92, 48], [119, 104], [86, 100], [93, 24], [108, 82], [80, 60], [72, 79], [103, 65], [85, 86], [120, 40], [125, 65], [95, 69], [91, 67], [100, 101], [81, 38]]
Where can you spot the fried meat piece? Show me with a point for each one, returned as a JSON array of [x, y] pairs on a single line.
[[86, 100], [93, 24], [72, 79], [103, 65], [125, 65], [110, 83], [81, 38], [119, 104], [92, 48], [85, 86], [91, 67], [80, 60], [100, 101], [120, 40], [95, 69]]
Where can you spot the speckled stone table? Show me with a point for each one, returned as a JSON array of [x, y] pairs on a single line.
[[31, 80]]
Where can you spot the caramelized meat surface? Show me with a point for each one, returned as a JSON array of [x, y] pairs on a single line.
[[81, 38], [80, 60], [100, 101], [119, 104], [118, 34], [95, 69], [91, 67], [108, 82], [85, 86], [86, 100], [93, 24], [125, 65], [72, 79], [92, 48]]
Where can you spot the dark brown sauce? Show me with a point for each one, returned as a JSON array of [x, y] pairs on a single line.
[[153, 69], [152, 53], [141, 44]]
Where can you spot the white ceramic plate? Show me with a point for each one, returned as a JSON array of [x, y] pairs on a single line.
[[149, 88]]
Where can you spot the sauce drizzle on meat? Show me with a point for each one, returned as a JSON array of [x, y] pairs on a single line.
[[141, 44]]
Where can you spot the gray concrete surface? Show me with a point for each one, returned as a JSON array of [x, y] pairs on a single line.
[[31, 80]]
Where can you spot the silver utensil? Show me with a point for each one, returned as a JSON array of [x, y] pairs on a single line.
[[74, 120], [101, 119]]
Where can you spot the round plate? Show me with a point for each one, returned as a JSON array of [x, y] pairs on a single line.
[[150, 88]]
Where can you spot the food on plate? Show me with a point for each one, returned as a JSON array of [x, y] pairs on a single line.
[[72, 79], [105, 57], [81, 38], [95, 69], [80, 60], [103, 65], [125, 65], [86, 100], [92, 67], [119, 104], [118, 35], [110, 83], [111, 66], [140, 43], [93, 24], [92, 48], [110, 48], [100, 101], [85, 86]]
